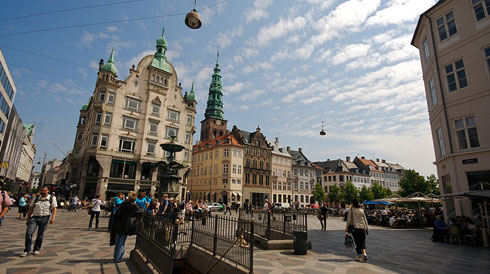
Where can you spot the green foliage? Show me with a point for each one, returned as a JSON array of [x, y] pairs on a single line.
[[318, 193], [378, 191], [388, 192], [413, 182], [366, 194], [350, 192], [433, 185], [334, 194]]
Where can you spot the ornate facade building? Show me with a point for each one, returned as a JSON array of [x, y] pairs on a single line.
[[304, 177], [117, 142], [282, 174]]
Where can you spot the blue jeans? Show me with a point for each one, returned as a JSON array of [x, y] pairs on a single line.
[[92, 214], [41, 223], [119, 247]]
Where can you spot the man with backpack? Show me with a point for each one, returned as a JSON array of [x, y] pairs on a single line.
[[42, 209]]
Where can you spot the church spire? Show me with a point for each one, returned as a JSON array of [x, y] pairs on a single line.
[[160, 59], [110, 66], [215, 96]]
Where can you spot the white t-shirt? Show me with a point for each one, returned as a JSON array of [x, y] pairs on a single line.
[[41, 206], [96, 205]]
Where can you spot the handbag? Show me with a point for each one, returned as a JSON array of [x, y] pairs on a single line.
[[349, 241], [350, 228]]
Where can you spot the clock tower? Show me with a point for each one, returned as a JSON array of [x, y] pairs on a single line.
[[214, 125]]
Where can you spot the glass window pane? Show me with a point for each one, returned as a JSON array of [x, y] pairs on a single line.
[[452, 27], [449, 16], [458, 124], [449, 68], [462, 79], [461, 139], [479, 12], [470, 121], [442, 33], [459, 64], [487, 50], [473, 136], [440, 21]]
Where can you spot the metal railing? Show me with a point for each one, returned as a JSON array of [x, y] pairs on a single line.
[[277, 224], [224, 237]]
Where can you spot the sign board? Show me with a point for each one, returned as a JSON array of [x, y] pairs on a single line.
[[470, 161]]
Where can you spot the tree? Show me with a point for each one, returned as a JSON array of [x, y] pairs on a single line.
[[334, 194], [318, 193], [366, 194], [350, 192], [388, 192], [413, 182], [433, 185], [379, 192]]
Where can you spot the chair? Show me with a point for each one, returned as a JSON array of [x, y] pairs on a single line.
[[454, 234]]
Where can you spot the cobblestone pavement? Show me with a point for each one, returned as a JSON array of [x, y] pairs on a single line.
[[389, 251], [68, 247]]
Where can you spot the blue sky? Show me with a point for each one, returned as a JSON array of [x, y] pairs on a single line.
[[286, 65]]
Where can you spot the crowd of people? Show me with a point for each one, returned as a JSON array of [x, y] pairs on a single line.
[[402, 217]]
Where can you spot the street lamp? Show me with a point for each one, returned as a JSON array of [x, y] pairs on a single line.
[[323, 133], [192, 19]]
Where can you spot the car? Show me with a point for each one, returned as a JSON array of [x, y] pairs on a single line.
[[215, 207]]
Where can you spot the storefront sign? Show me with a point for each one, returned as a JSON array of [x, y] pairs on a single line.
[[470, 161]]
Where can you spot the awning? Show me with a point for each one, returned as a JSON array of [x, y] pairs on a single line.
[[377, 203], [476, 194]]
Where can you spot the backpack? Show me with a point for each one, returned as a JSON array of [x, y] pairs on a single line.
[[50, 202]]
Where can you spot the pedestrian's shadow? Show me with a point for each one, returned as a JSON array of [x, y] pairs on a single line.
[[336, 260], [97, 261], [8, 253]]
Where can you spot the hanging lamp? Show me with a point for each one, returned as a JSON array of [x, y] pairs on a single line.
[[192, 19], [322, 132]]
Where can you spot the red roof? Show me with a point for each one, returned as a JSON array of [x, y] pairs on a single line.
[[227, 140]]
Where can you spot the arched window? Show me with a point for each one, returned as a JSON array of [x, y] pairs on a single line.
[[153, 77]]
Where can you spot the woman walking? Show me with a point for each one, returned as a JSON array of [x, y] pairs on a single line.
[[124, 225], [95, 212], [22, 206], [357, 219]]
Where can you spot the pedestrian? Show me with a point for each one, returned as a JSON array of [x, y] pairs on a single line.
[[95, 211], [74, 203], [22, 212], [5, 203], [124, 225], [116, 202], [228, 209], [323, 216], [42, 209], [357, 219], [163, 205], [141, 201]]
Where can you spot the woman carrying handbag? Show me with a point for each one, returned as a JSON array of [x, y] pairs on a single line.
[[357, 225]]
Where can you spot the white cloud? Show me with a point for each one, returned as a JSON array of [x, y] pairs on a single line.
[[258, 11], [278, 30], [252, 95], [135, 60], [399, 12], [236, 87], [350, 52], [250, 52], [237, 58], [87, 38], [258, 66]]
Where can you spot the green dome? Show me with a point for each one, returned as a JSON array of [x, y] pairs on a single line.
[[161, 41], [192, 95], [109, 66], [84, 107]]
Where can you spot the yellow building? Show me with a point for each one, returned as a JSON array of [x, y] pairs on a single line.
[[217, 170], [282, 170]]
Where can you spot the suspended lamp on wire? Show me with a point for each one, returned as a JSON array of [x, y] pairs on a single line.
[[323, 133], [192, 19]]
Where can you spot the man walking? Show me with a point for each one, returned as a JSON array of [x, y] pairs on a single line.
[[42, 209], [5, 203], [323, 216], [228, 209]]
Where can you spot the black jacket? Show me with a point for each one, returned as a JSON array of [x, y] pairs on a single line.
[[125, 218]]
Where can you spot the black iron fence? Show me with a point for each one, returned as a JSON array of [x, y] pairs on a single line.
[[277, 224], [224, 237]]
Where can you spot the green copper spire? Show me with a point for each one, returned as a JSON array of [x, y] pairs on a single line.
[[109, 66], [192, 95], [215, 99], [160, 60]]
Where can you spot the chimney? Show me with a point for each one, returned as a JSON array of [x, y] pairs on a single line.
[[377, 159], [328, 159], [384, 161], [288, 148], [362, 157], [101, 62], [277, 140], [347, 159], [300, 150]]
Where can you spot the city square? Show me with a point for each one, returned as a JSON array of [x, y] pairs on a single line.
[[256, 136]]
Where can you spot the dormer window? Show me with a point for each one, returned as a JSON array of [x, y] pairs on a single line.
[[102, 96]]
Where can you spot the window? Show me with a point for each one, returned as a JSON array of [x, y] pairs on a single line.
[[173, 115], [445, 25], [102, 96], [234, 153], [95, 136], [239, 169], [153, 127], [108, 118], [225, 181], [130, 123], [104, 138], [239, 181], [487, 57], [189, 120], [216, 169], [233, 169], [226, 152], [188, 141], [132, 104], [426, 49], [442, 149], [233, 181], [225, 168], [186, 157], [155, 109], [466, 133], [127, 145], [171, 131], [98, 117], [481, 8], [240, 152], [300, 185], [433, 92], [458, 68], [110, 98], [79, 136], [216, 155], [151, 147]]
